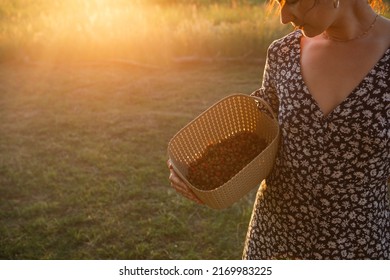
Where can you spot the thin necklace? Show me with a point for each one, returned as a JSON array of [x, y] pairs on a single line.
[[326, 36]]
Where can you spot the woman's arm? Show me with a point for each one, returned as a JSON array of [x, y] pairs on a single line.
[[267, 91]]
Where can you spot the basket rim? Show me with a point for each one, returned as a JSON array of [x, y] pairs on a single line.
[[220, 101]]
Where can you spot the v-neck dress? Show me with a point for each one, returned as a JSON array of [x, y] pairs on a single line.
[[327, 195]]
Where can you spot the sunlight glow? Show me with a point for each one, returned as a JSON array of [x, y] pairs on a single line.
[[101, 26], [134, 30]]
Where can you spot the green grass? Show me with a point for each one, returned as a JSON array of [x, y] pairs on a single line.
[[83, 163], [83, 148]]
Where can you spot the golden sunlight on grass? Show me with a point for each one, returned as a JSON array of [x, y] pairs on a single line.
[[134, 30], [96, 27]]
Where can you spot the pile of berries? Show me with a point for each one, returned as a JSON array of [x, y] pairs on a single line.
[[222, 160]]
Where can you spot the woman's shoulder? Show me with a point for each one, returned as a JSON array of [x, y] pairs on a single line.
[[288, 42]]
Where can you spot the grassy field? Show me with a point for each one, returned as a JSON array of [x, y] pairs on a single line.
[[82, 165], [83, 140], [141, 31]]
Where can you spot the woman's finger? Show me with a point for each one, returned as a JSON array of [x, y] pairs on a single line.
[[180, 186], [183, 189]]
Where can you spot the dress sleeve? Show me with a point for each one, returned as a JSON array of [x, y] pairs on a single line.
[[267, 91]]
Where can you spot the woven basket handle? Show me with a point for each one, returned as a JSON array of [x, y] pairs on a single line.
[[267, 106]]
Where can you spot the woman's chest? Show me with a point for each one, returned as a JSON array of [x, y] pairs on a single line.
[[331, 74], [362, 115]]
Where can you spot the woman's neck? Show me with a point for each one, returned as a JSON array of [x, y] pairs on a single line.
[[355, 20]]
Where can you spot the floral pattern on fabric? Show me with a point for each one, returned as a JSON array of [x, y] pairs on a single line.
[[326, 197]]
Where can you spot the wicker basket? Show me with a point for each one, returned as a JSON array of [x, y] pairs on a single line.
[[232, 114]]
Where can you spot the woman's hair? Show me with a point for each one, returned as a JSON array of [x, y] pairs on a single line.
[[377, 5]]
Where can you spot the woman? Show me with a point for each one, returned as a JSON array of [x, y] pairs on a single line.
[[328, 81]]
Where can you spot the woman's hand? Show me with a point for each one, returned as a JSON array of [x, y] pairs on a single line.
[[180, 186]]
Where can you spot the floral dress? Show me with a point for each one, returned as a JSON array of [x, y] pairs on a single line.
[[326, 197]]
